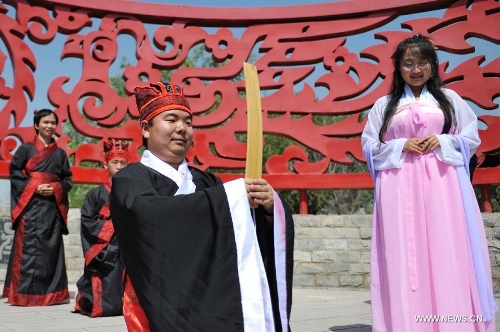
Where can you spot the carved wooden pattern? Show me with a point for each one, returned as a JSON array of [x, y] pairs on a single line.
[[291, 42]]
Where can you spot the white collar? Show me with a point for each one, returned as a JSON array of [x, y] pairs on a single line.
[[182, 176], [408, 96]]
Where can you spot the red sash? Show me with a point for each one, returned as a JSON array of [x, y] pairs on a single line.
[[37, 178], [134, 315], [43, 152]]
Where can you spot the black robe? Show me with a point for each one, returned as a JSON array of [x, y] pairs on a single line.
[[36, 273], [180, 253], [100, 289]]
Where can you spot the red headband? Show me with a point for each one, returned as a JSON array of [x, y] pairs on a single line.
[[115, 149], [160, 97]]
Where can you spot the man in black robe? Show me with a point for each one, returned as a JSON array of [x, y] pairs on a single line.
[[196, 258], [100, 289]]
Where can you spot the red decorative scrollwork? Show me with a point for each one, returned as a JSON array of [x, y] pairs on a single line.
[[307, 68]]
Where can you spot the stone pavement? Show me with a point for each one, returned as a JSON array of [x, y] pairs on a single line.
[[313, 310]]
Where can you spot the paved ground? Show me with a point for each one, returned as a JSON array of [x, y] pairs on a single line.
[[316, 310], [313, 311]]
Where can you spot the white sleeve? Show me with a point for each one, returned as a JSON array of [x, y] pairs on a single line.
[[254, 288], [387, 154], [449, 150]]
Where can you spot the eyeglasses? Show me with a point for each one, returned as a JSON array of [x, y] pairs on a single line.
[[411, 65]]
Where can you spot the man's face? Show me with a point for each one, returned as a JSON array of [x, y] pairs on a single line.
[[170, 136], [114, 165], [47, 126]]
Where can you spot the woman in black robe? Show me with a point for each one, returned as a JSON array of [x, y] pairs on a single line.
[[40, 179]]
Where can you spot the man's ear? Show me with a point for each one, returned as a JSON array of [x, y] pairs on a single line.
[[105, 165], [145, 128]]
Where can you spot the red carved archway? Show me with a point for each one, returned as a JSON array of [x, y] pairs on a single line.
[[307, 67]]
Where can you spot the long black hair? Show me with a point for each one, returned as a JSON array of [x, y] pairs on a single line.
[[43, 113], [423, 48]]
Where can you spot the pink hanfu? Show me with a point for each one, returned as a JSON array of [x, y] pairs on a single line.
[[421, 260]]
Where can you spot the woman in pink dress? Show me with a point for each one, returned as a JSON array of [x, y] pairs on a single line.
[[430, 269]]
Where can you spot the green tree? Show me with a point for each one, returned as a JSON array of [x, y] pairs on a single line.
[[77, 193], [327, 201]]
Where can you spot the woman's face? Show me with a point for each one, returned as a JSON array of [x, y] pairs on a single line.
[[415, 71]]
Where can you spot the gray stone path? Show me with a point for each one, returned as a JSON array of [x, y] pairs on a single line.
[[313, 310]]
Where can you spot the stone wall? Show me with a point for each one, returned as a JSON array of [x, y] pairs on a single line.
[[330, 250], [334, 250], [72, 244]]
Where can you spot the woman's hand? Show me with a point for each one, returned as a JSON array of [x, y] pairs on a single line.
[[413, 145], [429, 143], [45, 189]]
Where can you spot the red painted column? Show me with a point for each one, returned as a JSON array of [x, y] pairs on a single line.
[[303, 201], [486, 198]]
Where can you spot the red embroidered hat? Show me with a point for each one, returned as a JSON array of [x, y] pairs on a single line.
[[115, 149], [159, 97]]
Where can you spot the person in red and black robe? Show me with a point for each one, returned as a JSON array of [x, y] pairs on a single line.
[[40, 179], [100, 289], [197, 258]]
